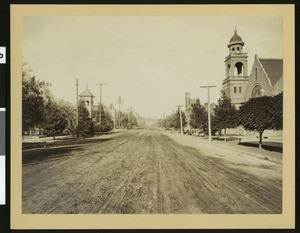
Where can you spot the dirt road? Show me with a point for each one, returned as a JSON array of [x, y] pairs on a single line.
[[141, 171]]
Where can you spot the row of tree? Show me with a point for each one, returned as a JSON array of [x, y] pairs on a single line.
[[173, 121], [40, 110], [257, 114]]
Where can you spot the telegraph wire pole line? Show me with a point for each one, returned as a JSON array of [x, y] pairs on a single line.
[[179, 108], [208, 107], [100, 103], [120, 115], [77, 117]]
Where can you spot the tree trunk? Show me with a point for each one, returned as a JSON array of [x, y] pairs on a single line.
[[53, 137], [225, 136], [260, 139]]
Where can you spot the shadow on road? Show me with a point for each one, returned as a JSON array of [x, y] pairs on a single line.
[[43, 154], [73, 141], [269, 146], [54, 150]]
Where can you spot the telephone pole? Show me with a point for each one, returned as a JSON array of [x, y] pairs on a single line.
[[100, 103], [120, 120], [208, 107], [77, 106], [113, 114], [179, 108]]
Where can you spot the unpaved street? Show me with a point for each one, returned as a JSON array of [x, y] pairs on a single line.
[[142, 171]]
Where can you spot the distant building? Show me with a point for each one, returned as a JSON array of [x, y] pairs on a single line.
[[88, 98], [189, 104], [266, 76]]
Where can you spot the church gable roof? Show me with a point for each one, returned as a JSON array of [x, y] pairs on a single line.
[[86, 93], [273, 68]]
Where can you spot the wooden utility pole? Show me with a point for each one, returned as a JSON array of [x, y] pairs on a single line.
[[100, 103], [113, 114], [208, 108], [120, 120], [181, 128], [77, 117]]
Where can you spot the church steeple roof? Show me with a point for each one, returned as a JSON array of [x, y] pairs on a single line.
[[86, 93], [235, 39]]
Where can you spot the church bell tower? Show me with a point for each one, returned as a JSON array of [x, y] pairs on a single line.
[[236, 71]]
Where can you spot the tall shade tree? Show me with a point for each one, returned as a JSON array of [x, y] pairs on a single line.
[[199, 116], [225, 113], [107, 123], [261, 113], [35, 96], [214, 128], [70, 112], [55, 120], [167, 122], [121, 120], [276, 112], [85, 126], [176, 119], [131, 120]]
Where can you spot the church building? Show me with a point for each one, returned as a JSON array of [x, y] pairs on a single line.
[[88, 98], [266, 77]]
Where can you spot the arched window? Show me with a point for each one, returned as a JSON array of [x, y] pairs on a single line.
[[256, 92], [228, 70], [240, 89], [234, 89], [239, 68]]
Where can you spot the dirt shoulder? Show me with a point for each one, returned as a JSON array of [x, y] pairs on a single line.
[[247, 147], [255, 161]]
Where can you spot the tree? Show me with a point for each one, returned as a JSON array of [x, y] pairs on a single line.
[[176, 119], [166, 123], [70, 112], [35, 96], [225, 113], [213, 125], [55, 120], [199, 116], [85, 124], [107, 123], [276, 112], [131, 120], [261, 113], [120, 119]]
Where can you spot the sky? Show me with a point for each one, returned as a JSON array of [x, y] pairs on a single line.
[[150, 61]]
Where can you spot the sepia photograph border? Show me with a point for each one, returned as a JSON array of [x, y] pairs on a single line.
[[286, 220]]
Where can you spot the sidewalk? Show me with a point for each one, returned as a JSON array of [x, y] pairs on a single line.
[[246, 147], [36, 143]]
